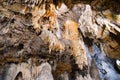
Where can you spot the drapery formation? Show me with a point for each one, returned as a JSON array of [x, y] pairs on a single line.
[[59, 39]]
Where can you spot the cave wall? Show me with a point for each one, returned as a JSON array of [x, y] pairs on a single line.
[[59, 40]]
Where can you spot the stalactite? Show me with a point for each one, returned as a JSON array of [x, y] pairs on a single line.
[[59, 39]]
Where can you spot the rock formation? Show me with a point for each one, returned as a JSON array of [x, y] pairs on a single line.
[[59, 40]]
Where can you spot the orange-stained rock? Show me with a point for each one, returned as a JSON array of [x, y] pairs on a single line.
[[51, 14], [37, 14], [78, 48], [71, 30]]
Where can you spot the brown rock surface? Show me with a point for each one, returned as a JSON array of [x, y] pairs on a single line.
[[59, 39]]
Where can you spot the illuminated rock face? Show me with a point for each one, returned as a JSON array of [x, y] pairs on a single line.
[[59, 40], [25, 71]]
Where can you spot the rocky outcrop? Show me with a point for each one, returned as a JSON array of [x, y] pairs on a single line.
[[59, 40]]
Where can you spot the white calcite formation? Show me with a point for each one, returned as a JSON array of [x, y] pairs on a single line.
[[59, 40]]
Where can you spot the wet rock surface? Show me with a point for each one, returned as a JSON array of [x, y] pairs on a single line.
[[59, 40]]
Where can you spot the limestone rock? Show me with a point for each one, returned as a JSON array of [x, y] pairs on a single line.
[[59, 39], [27, 71]]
